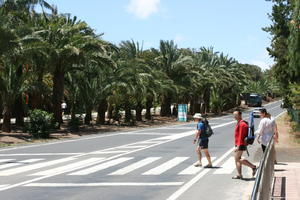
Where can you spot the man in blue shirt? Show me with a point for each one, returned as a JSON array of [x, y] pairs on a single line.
[[202, 139]]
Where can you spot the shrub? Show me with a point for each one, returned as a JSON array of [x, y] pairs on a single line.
[[75, 123], [40, 123]]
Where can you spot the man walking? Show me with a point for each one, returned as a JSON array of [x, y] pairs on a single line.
[[202, 139], [240, 133]]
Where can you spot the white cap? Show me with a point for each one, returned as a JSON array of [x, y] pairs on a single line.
[[197, 116]]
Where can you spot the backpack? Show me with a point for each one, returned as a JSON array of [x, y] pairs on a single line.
[[249, 139], [208, 130]]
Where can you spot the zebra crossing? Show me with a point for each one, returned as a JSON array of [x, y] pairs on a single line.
[[71, 166]]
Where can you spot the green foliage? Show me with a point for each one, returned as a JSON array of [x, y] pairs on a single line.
[[75, 123], [40, 123], [49, 57]]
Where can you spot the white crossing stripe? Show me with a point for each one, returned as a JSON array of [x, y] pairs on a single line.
[[101, 166], [191, 170], [135, 166], [23, 162], [3, 186], [126, 184], [108, 152], [18, 170], [6, 160], [227, 168], [40, 154], [69, 167], [133, 147], [165, 166]]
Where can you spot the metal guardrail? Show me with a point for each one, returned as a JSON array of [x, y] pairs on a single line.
[[264, 179]]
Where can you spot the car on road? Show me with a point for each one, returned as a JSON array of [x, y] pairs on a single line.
[[256, 111], [255, 100]]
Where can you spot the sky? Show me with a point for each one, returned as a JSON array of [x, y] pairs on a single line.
[[230, 26]]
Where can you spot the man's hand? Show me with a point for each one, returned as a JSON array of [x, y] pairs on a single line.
[[258, 139], [194, 141]]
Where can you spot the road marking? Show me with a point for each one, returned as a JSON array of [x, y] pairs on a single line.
[[18, 170], [191, 170], [40, 154], [70, 167], [227, 168], [109, 158], [23, 162], [189, 184], [101, 166], [133, 147], [149, 133], [6, 160], [108, 152], [165, 166], [135, 166], [102, 184], [3, 186]]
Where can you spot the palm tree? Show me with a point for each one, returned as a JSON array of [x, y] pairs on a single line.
[[172, 63]]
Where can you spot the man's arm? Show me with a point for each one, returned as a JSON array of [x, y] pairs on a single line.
[[198, 132]]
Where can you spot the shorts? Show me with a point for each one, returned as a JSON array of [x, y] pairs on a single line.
[[203, 143], [242, 148]]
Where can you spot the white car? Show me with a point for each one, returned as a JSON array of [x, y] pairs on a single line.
[[256, 112]]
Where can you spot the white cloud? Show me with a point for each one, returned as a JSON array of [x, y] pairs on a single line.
[[143, 8]]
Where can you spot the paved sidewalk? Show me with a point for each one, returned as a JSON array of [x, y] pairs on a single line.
[[287, 181]]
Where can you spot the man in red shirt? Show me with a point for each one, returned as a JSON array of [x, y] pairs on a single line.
[[240, 132]]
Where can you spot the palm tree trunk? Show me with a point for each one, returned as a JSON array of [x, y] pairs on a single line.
[[127, 112], [19, 111], [6, 126], [149, 104], [102, 108], [58, 94], [88, 115], [36, 96], [165, 107], [110, 110], [72, 110], [18, 108], [138, 111]]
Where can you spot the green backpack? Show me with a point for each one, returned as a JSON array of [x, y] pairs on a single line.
[[208, 130]]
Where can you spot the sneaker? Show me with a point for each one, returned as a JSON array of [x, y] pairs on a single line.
[[198, 165]]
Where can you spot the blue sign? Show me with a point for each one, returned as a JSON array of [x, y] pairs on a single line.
[[182, 112]]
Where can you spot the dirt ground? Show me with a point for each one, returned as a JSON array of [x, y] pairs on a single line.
[[288, 148]]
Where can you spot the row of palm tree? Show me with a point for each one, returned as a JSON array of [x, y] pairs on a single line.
[[47, 58]]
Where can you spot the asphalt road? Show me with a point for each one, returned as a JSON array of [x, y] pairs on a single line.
[[154, 163]]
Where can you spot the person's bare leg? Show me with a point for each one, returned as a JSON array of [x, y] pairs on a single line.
[[237, 157], [275, 156], [198, 150], [247, 163], [208, 156]]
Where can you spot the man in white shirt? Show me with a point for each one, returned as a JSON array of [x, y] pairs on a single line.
[[63, 107]]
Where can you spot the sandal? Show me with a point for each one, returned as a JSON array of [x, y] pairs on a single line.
[[208, 166], [237, 177], [254, 170]]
